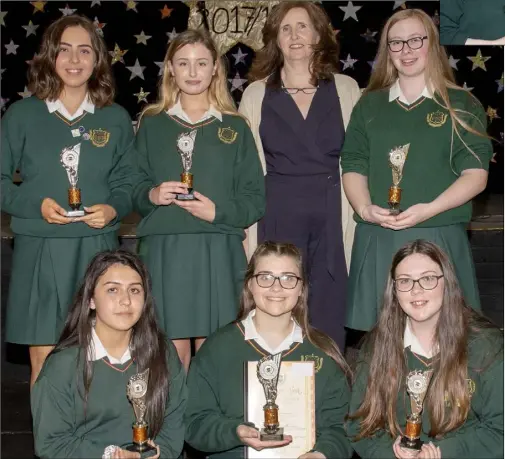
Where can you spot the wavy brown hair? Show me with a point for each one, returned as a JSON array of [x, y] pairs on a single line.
[[45, 83], [438, 72], [270, 60], [300, 311], [148, 345], [383, 352], [218, 93]]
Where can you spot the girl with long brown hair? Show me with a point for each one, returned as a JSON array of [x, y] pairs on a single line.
[[273, 319], [416, 153], [68, 136], [425, 326], [193, 248], [79, 402], [299, 106]]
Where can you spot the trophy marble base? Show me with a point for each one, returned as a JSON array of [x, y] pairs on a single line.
[[276, 436], [76, 213], [412, 444], [185, 197]]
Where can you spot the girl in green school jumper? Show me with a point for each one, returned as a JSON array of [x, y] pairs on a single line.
[[426, 327], [412, 108], [72, 107], [273, 318], [79, 402], [194, 248]]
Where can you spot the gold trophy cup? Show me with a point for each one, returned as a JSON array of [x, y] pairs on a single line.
[[397, 158], [185, 146], [136, 391], [417, 386], [69, 158], [268, 375]]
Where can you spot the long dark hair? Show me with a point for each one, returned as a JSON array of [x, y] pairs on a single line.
[[300, 311], [147, 343], [269, 60], [45, 83], [387, 361]]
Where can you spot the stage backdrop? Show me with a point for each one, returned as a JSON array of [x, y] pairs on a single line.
[[137, 34]]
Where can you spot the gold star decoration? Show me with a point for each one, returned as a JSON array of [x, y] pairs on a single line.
[[131, 5], [492, 113], [117, 54], [141, 96], [240, 22], [479, 60], [166, 12], [38, 6]]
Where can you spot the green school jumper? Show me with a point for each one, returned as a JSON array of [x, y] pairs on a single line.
[[49, 260], [376, 127], [478, 19], [197, 267], [64, 428], [216, 375], [481, 436]]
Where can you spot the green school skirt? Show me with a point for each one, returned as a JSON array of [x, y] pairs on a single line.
[[197, 280], [372, 255], [46, 274]]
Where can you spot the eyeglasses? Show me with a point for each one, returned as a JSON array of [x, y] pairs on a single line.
[[297, 90], [287, 281], [406, 284], [414, 43]]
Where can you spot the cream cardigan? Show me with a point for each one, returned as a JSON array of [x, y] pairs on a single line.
[[250, 106]]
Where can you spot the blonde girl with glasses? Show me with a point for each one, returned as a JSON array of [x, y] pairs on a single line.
[[415, 129]]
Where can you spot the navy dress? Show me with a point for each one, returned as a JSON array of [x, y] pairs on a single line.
[[303, 195]]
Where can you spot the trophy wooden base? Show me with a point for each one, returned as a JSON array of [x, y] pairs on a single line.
[[412, 444], [276, 436], [76, 213]]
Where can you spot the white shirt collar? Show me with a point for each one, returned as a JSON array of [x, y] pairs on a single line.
[[57, 105], [97, 351], [177, 110], [395, 92], [250, 332], [409, 339]]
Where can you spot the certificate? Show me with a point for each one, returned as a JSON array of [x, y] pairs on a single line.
[[297, 408]]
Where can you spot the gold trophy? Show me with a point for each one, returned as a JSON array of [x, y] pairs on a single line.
[[69, 158], [268, 375], [185, 146], [397, 158], [136, 391], [417, 386]]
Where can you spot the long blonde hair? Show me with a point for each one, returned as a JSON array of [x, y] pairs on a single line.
[[301, 311], [438, 73], [168, 92]]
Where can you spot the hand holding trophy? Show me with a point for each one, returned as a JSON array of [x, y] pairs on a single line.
[[417, 387], [136, 392], [185, 146], [268, 375], [69, 158], [397, 158]]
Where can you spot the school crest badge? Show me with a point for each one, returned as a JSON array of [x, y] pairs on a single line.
[[227, 135], [318, 361], [436, 119], [471, 390], [99, 137]]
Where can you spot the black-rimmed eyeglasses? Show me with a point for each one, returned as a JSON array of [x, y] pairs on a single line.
[[287, 281], [297, 90], [413, 43], [406, 284]]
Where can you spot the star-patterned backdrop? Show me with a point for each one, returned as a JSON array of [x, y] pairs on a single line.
[[137, 35]]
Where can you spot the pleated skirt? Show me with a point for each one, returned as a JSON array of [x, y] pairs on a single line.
[[197, 280], [46, 274]]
